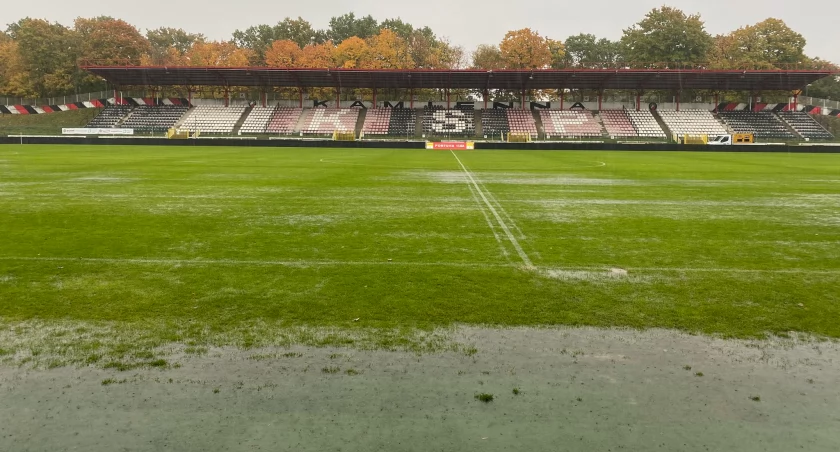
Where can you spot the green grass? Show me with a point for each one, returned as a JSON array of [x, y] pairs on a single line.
[[231, 240], [45, 124]]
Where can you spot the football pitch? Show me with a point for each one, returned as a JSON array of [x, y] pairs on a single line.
[[187, 242]]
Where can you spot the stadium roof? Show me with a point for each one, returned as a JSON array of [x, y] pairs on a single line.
[[601, 79]]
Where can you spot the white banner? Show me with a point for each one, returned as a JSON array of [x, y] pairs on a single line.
[[97, 131]]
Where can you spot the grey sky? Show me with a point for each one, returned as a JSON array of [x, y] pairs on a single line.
[[465, 22]]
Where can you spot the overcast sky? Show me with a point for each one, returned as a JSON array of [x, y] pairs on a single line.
[[465, 22]]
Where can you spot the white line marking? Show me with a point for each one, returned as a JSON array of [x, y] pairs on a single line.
[[632, 270], [499, 219], [326, 263], [502, 209], [489, 223], [256, 263]]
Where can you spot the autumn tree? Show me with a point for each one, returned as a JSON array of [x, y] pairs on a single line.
[[387, 50], [348, 26], [48, 54], [525, 49], [259, 38], [318, 56], [487, 57], [353, 52], [587, 49], [168, 46], [283, 54], [13, 80], [666, 35], [215, 53], [402, 29], [770, 43]]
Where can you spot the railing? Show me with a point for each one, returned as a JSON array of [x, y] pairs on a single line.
[[817, 102], [57, 100]]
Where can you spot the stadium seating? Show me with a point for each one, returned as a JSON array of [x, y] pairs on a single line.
[[445, 122], [618, 124], [495, 122], [377, 122], [403, 122], [257, 120], [284, 120], [325, 121], [522, 121], [154, 118], [805, 125], [110, 116], [759, 123], [692, 122], [645, 124], [390, 122], [207, 119], [570, 124]]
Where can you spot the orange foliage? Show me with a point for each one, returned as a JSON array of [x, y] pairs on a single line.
[[351, 53], [525, 49], [388, 51], [222, 54], [285, 53], [316, 56]]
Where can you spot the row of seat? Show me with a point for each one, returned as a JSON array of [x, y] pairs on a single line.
[[390, 122], [154, 119], [805, 125], [109, 116], [762, 124], [439, 121], [458, 122], [692, 122], [570, 124], [212, 119], [325, 121]]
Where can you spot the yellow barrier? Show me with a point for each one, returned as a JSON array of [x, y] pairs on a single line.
[[344, 135]]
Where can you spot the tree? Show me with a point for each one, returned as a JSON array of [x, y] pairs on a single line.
[[588, 50], [446, 56], [283, 53], [259, 38], [387, 50], [525, 49], [666, 35], [214, 53], [769, 43], [558, 53], [318, 56], [13, 80], [487, 57], [299, 31], [347, 26], [110, 41], [48, 54], [168, 45], [353, 52], [402, 29]]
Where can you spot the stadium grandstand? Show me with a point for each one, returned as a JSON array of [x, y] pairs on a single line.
[[471, 118]]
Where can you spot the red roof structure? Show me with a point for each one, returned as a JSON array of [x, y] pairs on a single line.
[[589, 79]]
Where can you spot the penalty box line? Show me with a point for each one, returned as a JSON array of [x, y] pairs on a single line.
[[511, 237]]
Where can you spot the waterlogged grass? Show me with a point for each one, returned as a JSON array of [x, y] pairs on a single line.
[[387, 248]]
